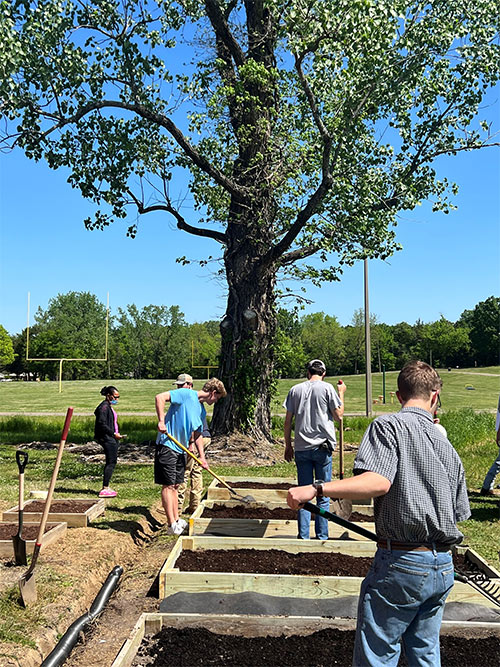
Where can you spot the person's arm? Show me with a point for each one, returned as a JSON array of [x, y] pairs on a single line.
[[160, 400], [338, 413], [288, 436], [201, 450], [102, 417], [366, 485]]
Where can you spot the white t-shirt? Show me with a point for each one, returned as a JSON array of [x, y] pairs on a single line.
[[312, 404]]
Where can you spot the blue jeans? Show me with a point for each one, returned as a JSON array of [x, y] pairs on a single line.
[[402, 600], [313, 464], [489, 480]]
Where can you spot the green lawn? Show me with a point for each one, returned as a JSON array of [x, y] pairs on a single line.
[[138, 395]]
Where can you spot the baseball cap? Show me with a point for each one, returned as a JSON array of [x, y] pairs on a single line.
[[183, 378], [316, 365]]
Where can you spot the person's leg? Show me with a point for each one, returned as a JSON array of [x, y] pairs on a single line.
[[421, 639], [196, 490], [110, 447], [169, 502], [181, 491], [390, 598], [322, 471], [304, 463], [489, 480]]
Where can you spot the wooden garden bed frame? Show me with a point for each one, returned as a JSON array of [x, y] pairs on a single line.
[[73, 519], [263, 626], [269, 528], [172, 580], [56, 531], [216, 492]]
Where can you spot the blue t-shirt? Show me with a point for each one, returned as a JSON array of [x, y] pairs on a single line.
[[185, 415]]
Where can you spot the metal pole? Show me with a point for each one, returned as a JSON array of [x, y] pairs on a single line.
[[368, 350], [383, 381]]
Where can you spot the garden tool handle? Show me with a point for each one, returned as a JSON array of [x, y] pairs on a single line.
[[22, 460], [193, 456], [341, 522], [50, 492]]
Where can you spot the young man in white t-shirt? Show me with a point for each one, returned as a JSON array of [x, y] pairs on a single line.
[[314, 404]]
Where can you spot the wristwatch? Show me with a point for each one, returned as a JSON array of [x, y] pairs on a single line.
[[318, 485]]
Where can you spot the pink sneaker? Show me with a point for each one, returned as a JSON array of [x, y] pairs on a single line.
[[107, 493]]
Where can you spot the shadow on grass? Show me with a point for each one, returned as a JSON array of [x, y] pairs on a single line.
[[77, 492], [134, 528], [488, 511]]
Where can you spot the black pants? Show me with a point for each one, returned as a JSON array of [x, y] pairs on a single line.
[[110, 446]]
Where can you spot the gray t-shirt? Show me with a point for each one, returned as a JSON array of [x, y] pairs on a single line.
[[428, 493], [312, 404]]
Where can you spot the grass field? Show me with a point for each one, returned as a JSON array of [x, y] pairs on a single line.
[[137, 396]]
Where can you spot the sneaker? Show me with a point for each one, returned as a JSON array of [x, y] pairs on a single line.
[[107, 493], [182, 523], [171, 530]]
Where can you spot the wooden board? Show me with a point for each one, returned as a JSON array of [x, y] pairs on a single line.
[[217, 492], [269, 528], [262, 626], [171, 580], [73, 519], [56, 531]]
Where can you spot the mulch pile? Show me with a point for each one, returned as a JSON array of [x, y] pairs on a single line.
[[198, 647]]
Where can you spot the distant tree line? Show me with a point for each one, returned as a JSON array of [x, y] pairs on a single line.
[[157, 342]]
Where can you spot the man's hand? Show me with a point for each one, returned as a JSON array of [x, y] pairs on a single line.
[[341, 387], [161, 427], [204, 463], [289, 452], [298, 495]]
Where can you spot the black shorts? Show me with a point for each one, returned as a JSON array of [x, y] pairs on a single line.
[[169, 466]]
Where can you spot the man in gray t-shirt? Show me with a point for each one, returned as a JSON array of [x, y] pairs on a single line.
[[314, 404]]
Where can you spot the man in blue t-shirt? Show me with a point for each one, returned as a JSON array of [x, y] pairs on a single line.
[[184, 421]]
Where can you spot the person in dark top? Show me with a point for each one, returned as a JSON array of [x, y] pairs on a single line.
[[107, 434]]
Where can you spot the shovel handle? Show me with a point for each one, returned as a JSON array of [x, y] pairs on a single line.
[[22, 460], [341, 522], [193, 456], [53, 480]]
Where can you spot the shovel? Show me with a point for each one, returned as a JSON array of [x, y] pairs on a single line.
[[17, 540], [27, 585], [244, 499], [340, 521]]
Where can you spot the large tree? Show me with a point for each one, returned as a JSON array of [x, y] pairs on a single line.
[[304, 127]]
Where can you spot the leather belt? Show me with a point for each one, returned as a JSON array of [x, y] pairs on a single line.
[[411, 546]]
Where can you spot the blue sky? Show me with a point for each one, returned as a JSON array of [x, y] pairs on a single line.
[[448, 263]]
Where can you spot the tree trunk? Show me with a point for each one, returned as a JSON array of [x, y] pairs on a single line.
[[247, 352]]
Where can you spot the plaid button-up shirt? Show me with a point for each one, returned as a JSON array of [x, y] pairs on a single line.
[[428, 494]]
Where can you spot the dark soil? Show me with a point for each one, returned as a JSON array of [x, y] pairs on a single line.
[[257, 485], [198, 647], [272, 561], [8, 530], [69, 506], [221, 511], [275, 561]]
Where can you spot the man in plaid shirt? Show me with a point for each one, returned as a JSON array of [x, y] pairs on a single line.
[[418, 482]]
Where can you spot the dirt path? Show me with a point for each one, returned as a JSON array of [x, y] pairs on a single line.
[[80, 564]]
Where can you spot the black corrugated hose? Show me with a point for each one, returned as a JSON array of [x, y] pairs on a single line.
[[70, 637]]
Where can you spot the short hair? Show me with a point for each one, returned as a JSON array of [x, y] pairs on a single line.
[[316, 367], [417, 380], [215, 385], [106, 391]]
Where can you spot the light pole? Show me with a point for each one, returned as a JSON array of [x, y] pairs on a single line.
[[368, 348]]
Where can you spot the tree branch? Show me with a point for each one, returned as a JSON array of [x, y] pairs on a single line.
[[181, 222], [222, 32]]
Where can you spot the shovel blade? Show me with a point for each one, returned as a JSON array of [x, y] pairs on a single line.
[[19, 550], [27, 589], [342, 507]]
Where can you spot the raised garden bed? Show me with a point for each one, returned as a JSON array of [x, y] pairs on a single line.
[[311, 584], [76, 512], [200, 640], [267, 489], [53, 532], [233, 518]]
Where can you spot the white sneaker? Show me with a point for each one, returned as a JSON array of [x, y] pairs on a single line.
[[179, 528], [181, 522], [171, 530]]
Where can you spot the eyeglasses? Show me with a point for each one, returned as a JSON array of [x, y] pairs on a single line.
[[115, 396], [439, 401]]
